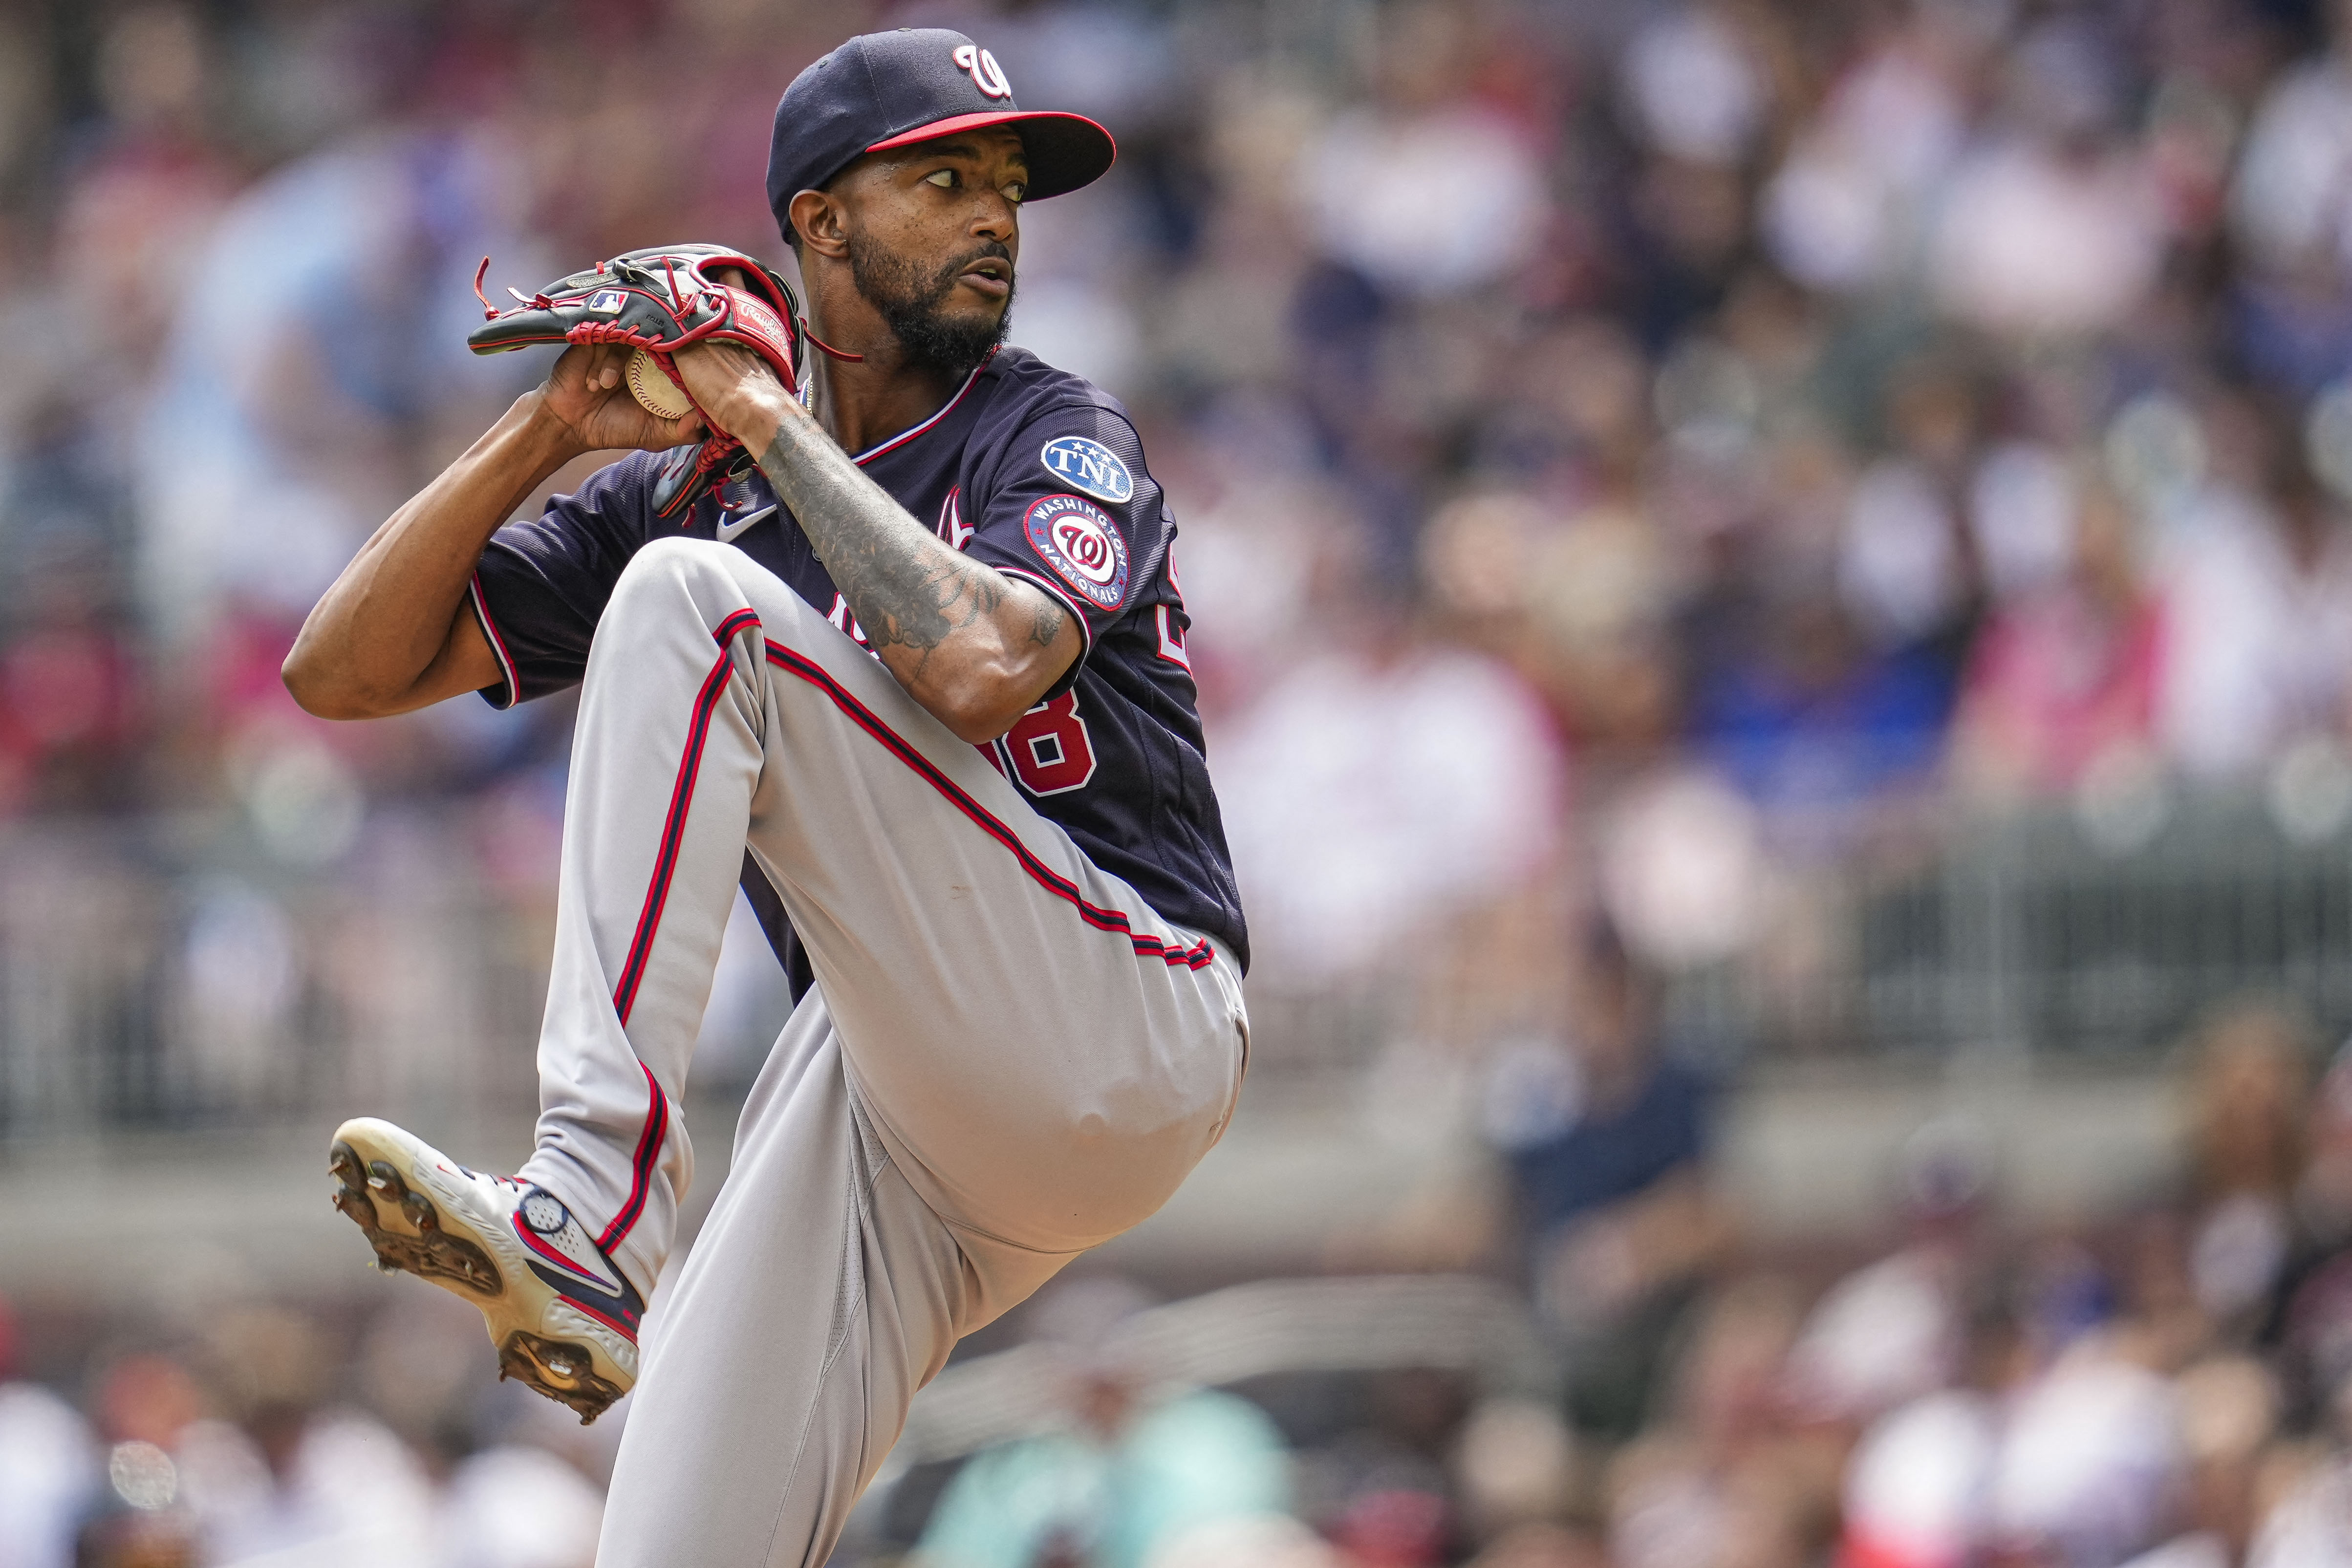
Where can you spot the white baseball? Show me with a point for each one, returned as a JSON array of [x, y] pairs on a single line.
[[655, 391]]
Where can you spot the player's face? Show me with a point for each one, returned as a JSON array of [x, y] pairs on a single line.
[[933, 233]]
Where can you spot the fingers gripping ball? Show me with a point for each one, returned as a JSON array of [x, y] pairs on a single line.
[[656, 393]]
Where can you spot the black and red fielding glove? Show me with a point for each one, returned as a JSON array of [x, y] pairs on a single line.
[[662, 300]]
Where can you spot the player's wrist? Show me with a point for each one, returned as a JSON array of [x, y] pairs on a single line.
[[754, 410], [540, 433], [737, 392]]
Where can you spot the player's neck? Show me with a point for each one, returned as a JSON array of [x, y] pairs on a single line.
[[864, 404], [866, 400]]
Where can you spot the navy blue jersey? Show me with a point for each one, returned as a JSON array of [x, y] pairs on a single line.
[[1038, 472]]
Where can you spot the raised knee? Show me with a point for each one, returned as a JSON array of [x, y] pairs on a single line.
[[674, 556], [677, 576]]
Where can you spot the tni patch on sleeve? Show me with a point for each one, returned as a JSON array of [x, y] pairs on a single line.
[[1088, 467]]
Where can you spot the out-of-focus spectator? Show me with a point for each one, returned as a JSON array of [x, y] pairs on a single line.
[[2259, 612], [2068, 674], [1517, 1468], [1848, 209], [50, 1468], [2090, 1459], [1607, 1139], [1796, 706], [2288, 211], [1899, 1328], [2289, 204], [2310, 1320], [517, 1506], [150, 1513], [2229, 1411], [1717, 1478], [2251, 1098], [1138, 1476], [2052, 226], [149, 190], [1917, 1488], [1426, 145], [287, 1474], [328, 311], [1683, 870], [1345, 843]]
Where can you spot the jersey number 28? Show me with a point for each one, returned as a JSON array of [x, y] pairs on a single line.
[[1049, 748]]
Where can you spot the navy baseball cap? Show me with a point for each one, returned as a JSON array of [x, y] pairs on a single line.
[[917, 84]]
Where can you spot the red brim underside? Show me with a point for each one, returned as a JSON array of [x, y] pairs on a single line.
[[1065, 151]]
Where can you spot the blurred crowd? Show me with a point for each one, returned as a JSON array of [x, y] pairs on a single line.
[[2168, 1386], [284, 1434], [1660, 441], [1630, 457]]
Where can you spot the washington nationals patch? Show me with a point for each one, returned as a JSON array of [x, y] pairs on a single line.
[[1082, 545]]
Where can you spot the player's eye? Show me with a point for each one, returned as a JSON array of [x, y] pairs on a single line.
[[1016, 193], [944, 179]]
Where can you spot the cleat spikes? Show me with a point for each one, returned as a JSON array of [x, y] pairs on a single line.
[[561, 1370], [432, 1253], [567, 1339]]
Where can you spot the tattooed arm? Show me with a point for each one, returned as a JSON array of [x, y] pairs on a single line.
[[974, 646]]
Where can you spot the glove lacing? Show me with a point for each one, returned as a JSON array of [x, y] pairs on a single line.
[[718, 449]]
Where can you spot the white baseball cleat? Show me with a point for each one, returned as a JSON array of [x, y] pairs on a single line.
[[564, 1319]]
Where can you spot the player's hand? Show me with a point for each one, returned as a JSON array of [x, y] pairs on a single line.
[[743, 395], [589, 396], [740, 389]]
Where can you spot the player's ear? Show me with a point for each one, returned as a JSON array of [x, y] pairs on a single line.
[[819, 219]]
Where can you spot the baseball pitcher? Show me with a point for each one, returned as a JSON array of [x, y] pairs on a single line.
[[878, 619]]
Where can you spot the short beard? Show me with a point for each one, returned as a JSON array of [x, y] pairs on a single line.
[[910, 300]]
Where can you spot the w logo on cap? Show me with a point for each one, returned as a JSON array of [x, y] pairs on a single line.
[[986, 73]]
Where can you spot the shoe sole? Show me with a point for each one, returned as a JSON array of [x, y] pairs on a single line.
[[420, 1223]]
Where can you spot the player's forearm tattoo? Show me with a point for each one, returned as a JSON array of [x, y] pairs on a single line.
[[907, 586]]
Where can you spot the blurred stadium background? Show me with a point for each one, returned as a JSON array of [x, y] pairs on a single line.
[[1773, 595]]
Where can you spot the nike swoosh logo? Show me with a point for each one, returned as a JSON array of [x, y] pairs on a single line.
[[570, 1266], [730, 532]]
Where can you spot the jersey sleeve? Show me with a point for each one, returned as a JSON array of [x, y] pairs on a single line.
[[1071, 509], [542, 582]]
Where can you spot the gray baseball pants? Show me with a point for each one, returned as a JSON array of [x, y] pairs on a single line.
[[1008, 1057]]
